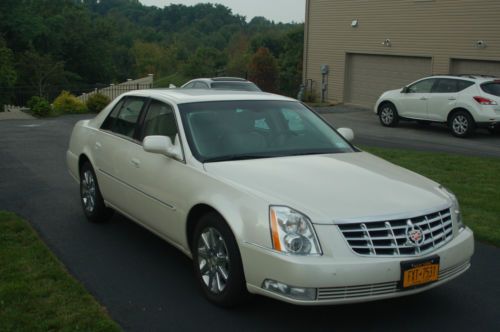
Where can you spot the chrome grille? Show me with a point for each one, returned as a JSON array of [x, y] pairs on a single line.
[[361, 291], [389, 238]]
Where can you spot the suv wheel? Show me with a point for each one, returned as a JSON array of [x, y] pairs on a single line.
[[388, 115], [462, 124]]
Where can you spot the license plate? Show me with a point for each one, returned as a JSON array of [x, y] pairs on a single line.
[[421, 272]]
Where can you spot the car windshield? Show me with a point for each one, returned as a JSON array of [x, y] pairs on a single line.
[[238, 86], [237, 130]]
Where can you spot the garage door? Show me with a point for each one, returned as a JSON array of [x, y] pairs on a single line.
[[368, 76], [477, 67]]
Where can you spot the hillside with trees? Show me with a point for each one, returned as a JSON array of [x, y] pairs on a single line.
[[47, 46]]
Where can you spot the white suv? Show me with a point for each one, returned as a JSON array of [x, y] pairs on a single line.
[[463, 102]]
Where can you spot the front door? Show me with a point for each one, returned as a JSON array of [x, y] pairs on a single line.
[[414, 102]]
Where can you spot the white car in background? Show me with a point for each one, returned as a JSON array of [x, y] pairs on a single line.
[[266, 197], [463, 102], [222, 83]]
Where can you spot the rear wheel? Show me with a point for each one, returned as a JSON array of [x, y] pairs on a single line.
[[388, 115], [92, 202], [217, 262], [462, 124]]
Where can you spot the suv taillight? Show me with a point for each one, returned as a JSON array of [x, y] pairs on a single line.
[[485, 101]]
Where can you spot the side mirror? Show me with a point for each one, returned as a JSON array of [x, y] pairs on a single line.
[[347, 133], [405, 90], [163, 145], [172, 86]]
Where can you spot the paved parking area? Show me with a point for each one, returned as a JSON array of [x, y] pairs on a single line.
[[147, 285], [409, 135]]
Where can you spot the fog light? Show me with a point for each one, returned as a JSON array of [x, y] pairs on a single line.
[[297, 293]]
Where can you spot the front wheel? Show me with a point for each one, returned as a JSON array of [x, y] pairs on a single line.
[[217, 262], [388, 115], [90, 195], [462, 124]]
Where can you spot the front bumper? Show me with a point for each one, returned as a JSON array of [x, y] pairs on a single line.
[[341, 276]]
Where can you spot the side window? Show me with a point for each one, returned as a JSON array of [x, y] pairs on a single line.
[[445, 85], [189, 86], [160, 120], [424, 86], [462, 85], [123, 119], [295, 122], [200, 85]]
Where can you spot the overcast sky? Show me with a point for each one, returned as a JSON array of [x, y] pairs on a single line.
[[276, 10]]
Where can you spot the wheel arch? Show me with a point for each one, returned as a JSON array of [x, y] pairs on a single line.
[[82, 159], [382, 103], [194, 215], [455, 110]]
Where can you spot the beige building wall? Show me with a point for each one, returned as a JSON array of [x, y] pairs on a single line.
[[441, 30]]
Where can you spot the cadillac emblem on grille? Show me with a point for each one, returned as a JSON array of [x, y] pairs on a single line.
[[414, 234]]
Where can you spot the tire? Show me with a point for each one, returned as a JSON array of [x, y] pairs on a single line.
[[217, 262], [90, 196], [388, 115], [462, 124]]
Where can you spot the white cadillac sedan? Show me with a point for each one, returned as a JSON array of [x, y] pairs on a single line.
[[267, 198]]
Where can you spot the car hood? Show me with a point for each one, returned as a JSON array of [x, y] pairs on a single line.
[[335, 188]]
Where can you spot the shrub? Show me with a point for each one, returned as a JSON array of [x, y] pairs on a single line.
[[39, 106], [68, 103], [97, 102]]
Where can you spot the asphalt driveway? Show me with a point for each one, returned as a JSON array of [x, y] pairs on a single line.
[[147, 285], [409, 135]]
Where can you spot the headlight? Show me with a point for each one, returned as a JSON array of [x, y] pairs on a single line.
[[455, 207], [292, 232]]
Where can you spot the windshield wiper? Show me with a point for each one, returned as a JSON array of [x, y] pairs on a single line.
[[236, 157]]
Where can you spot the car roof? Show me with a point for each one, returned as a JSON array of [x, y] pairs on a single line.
[[221, 79], [468, 77], [182, 96]]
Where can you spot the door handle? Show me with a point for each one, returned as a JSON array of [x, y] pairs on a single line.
[[423, 98], [452, 98], [136, 162], [98, 145]]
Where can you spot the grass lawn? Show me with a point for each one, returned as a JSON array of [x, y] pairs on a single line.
[[474, 180], [36, 292]]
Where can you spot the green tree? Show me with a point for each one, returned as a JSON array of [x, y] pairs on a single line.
[[41, 72], [263, 70], [8, 74], [205, 62]]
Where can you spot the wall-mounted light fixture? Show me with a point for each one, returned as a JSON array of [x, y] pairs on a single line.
[[480, 44], [387, 43], [354, 23]]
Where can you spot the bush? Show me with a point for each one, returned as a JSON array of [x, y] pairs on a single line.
[[97, 102], [39, 106], [68, 103]]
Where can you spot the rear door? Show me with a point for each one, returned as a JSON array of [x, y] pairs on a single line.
[[115, 138], [443, 98]]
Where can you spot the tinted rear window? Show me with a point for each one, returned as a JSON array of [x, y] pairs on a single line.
[[492, 88]]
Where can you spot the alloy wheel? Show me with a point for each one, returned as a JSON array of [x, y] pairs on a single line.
[[460, 124], [88, 191], [213, 260], [387, 115]]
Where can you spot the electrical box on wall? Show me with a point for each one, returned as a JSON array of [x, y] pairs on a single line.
[[325, 69]]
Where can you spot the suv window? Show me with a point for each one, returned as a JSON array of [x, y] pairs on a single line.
[[493, 88], [160, 120], [424, 86], [448, 85], [189, 86], [123, 119]]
